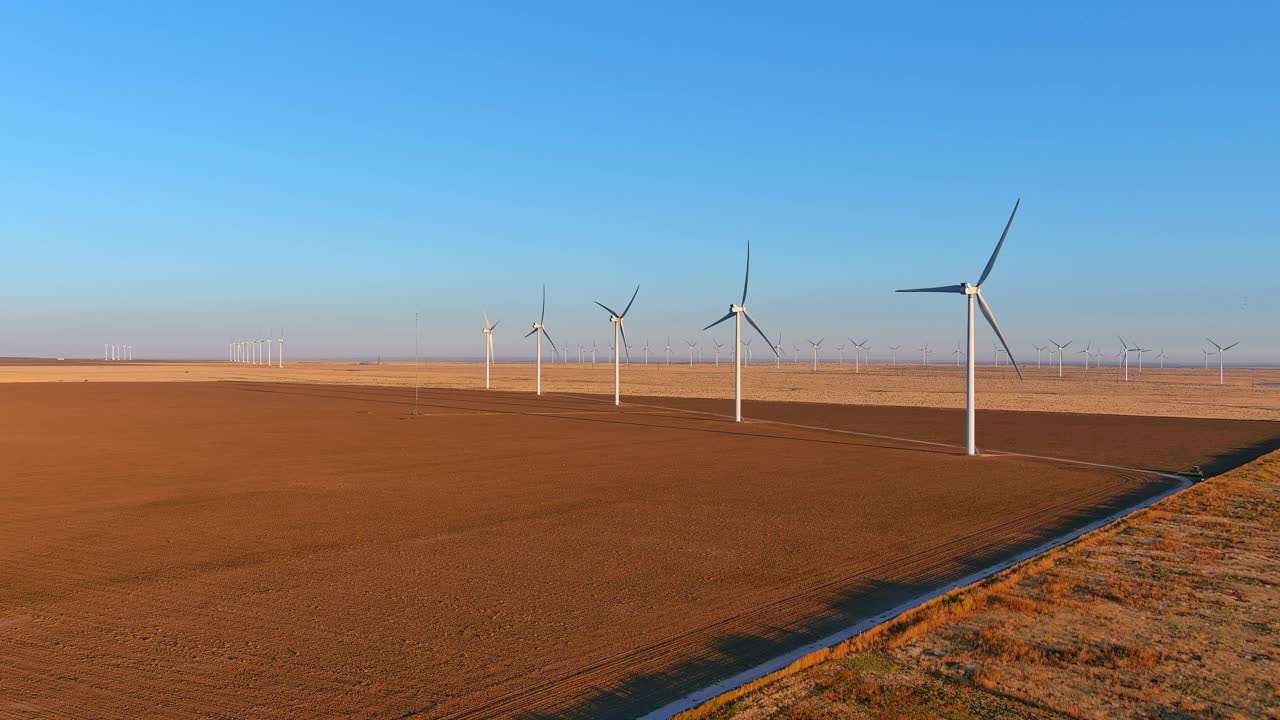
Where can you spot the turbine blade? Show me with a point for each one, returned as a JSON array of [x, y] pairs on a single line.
[[633, 299], [992, 262], [1231, 345], [543, 317], [1211, 342], [491, 327], [940, 289], [726, 317], [991, 318], [553, 342], [486, 317], [746, 278], [606, 307], [757, 327], [531, 332], [625, 346]]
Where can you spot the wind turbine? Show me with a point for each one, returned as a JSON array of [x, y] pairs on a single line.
[[1206, 357], [1085, 353], [1222, 351], [646, 351], [280, 354], [777, 351], [894, 349], [924, 351], [1140, 351], [580, 352], [668, 351], [1038, 351], [795, 353], [815, 351], [488, 346], [841, 349], [957, 352], [616, 318], [1161, 357], [540, 329], [718, 345], [593, 353], [747, 344], [691, 345], [858, 349], [995, 350], [972, 293], [1060, 348], [737, 312], [1124, 347]]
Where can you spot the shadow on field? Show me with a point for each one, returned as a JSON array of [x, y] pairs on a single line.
[[643, 678], [1235, 457]]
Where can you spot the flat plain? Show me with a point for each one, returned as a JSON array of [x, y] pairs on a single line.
[[283, 549], [1170, 392]]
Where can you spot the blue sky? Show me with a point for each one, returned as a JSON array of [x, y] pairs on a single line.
[[173, 174]]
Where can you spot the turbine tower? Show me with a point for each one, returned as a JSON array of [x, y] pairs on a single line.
[[1124, 348], [540, 329], [488, 346], [616, 318], [1222, 351], [1060, 348], [737, 312], [815, 345], [646, 351], [972, 293]]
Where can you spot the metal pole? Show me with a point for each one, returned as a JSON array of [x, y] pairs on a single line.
[[970, 447], [737, 368]]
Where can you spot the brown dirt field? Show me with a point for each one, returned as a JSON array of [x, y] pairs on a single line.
[[279, 551], [1179, 392], [1169, 613]]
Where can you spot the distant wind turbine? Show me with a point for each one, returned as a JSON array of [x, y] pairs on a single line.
[[691, 345], [646, 351], [858, 349], [619, 332], [1222, 351], [1038, 351], [668, 350], [1060, 347], [540, 329], [894, 349], [973, 293], [1086, 354], [1124, 347], [737, 312], [1207, 353], [815, 351], [718, 345], [1161, 357], [488, 346]]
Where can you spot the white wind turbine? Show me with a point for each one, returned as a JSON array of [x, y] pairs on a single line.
[[540, 329], [1038, 351], [995, 351], [1222, 351], [1085, 352], [894, 349], [1060, 347], [777, 352], [795, 353], [958, 353], [646, 351], [619, 331], [747, 344], [1161, 357], [1124, 348], [858, 349], [280, 352], [840, 348], [737, 312], [972, 293], [593, 353], [718, 345], [691, 345], [1140, 351], [668, 351], [1206, 357], [924, 351], [815, 345], [488, 346]]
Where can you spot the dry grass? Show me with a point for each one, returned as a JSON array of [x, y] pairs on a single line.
[[1134, 620], [1170, 393]]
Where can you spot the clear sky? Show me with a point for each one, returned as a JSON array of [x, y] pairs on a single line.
[[173, 174]]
